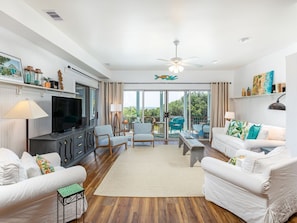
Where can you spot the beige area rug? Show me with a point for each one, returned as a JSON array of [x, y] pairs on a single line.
[[153, 172]]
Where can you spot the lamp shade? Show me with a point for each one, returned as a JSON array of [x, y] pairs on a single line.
[[116, 107], [229, 115], [176, 68], [26, 109]]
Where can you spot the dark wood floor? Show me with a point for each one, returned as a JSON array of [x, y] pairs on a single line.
[[147, 210]]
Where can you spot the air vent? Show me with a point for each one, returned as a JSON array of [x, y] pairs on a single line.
[[54, 15]]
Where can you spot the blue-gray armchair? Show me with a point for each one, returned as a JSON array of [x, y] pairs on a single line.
[[143, 133], [105, 138]]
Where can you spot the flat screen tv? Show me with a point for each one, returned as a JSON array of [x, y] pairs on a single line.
[[66, 114]]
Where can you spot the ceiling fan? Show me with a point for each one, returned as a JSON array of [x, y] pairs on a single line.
[[176, 64]]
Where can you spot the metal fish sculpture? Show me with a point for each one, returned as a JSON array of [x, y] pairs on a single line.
[[165, 77]]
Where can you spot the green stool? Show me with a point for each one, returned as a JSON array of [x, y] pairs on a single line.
[[67, 195]]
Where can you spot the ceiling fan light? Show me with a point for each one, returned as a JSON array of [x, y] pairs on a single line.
[[176, 68]]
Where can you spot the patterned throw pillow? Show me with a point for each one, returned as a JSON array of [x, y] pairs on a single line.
[[238, 129], [44, 165]]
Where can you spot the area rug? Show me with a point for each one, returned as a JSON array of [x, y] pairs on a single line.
[[153, 172]]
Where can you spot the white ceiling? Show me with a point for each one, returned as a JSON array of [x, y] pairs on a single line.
[[133, 34]]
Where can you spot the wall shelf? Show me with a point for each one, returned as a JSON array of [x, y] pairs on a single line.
[[20, 86], [258, 96]]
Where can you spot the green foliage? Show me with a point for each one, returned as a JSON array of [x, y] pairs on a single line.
[[198, 108]]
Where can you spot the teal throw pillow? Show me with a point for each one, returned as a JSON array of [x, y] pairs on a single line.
[[238, 129], [254, 132]]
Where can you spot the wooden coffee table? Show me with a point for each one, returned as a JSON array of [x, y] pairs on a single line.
[[193, 145]]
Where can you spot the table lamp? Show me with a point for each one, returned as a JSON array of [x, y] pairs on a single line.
[[26, 109], [229, 115]]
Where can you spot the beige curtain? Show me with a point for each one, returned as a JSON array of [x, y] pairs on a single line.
[[219, 103], [111, 93]]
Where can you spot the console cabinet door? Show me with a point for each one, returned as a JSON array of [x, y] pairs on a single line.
[[79, 144], [65, 148], [90, 142]]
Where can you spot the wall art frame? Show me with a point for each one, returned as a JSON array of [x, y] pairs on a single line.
[[11, 68]]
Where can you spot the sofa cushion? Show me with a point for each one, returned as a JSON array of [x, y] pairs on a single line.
[[11, 169], [30, 165], [254, 132], [238, 129], [44, 165]]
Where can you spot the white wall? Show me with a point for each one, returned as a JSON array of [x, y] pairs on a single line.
[[254, 109], [12, 131], [291, 104]]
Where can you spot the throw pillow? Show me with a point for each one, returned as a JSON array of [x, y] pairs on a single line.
[[254, 132], [44, 165], [11, 169], [30, 165], [238, 129]]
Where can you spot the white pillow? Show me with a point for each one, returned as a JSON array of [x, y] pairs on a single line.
[[11, 169], [263, 134], [249, 161], [30, 165]]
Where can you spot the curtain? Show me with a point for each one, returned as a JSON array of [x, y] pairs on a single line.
[[219, 103], [111, 93]]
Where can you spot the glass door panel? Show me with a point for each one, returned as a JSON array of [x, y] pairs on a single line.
[[177, 121], [153, 110]]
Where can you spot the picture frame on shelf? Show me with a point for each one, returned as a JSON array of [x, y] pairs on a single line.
[[11, 68]]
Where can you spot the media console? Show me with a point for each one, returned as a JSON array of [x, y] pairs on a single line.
[[72, 146]]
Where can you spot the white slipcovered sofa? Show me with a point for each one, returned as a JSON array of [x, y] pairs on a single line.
[[27, 195], [262, 189], [269, 136]]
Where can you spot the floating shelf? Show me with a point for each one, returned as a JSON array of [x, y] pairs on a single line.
[[20, 86], [258, 96]]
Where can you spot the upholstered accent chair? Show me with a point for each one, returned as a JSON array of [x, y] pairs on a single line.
[[143, 132], [105, 138]]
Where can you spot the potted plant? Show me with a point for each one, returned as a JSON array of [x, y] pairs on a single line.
[[47, 82]]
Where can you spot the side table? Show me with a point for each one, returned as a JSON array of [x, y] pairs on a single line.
[[67, 195]]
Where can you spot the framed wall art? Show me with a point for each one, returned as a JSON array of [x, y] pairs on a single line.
[[262, 83], [11, 68]]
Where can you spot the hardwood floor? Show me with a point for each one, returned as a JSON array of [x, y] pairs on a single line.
[[147, 210]]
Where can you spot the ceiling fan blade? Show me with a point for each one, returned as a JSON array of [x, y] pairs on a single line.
[[193, 65], [164, 60], [191, 58]]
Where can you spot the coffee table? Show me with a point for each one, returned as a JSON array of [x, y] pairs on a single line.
[[193, 145]]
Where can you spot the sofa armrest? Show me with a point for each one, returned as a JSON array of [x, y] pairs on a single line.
[[218, 130], [40, 186], [255, 183]]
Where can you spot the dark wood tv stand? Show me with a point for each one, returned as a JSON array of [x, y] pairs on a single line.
[[72, 146]]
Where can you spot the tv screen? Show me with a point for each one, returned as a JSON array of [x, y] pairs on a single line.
[[66, 113]]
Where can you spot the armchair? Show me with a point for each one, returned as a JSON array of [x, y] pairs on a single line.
[[143, 133], [259, 189], [176, 123], [104, 138]]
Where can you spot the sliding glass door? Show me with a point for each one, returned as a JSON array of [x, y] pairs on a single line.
[[170, 112]]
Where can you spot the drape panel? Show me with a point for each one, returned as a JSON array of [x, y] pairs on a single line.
[[111, 93], [219, 103]]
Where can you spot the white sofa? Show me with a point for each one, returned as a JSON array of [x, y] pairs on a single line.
[[33, 198], [262, 190], [269, 136]]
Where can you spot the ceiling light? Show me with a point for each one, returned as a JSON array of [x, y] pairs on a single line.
[[176, 68]]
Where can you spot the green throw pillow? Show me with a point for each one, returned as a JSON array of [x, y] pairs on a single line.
[[254, 131], [238, 129]]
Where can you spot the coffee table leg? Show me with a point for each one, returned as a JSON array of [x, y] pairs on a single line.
[[185, 150], [196, 154], [180, 142]]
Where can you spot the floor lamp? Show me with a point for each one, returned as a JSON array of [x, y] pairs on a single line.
[[116, 121], [26, 109]]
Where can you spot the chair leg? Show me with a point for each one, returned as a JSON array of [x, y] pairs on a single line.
[[126, 146], [110, 150]]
